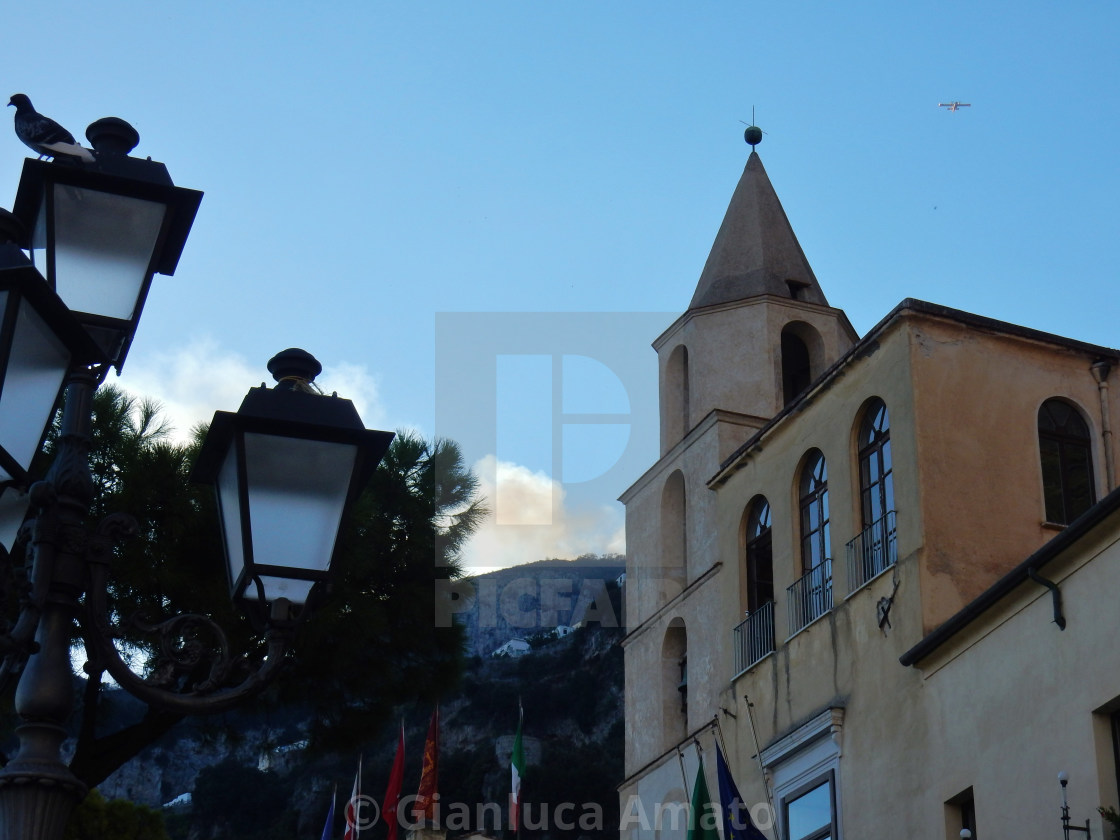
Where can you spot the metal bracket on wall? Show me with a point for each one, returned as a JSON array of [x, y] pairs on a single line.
[[1059, 619]]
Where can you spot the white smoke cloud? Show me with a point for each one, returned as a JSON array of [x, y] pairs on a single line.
[[530, 520], [194, 381]]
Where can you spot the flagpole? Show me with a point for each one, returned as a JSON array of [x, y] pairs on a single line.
[[700, 756], [517, 765], [761, 767], [353, 807], [684, 775], [520, 724], [719, 732]]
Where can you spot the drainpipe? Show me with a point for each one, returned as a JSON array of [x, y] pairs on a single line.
[[1101, 368]]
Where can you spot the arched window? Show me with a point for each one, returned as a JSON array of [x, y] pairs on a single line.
[[813, 501], [796, 370], [802, 358], [811, 596], [876, 480], [759, 556], [1067, 466], [676, 395], [754, 637], [875, 548], [674, 682], [674, 530]]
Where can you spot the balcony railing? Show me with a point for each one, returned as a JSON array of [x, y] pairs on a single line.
[[754, 637], [811, 596], [873, 551]]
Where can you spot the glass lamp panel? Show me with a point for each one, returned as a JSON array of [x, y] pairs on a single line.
[[103, 247], [228, 504], [297, 493], [13, 508], [36, 368]]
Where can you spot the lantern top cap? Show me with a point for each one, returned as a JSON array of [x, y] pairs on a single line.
[[294, 366], [112, 135]]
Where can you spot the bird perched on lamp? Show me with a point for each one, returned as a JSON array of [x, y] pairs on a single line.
[[43, 135]]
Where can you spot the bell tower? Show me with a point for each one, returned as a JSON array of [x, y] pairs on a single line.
[[758, 329], [756, 334]]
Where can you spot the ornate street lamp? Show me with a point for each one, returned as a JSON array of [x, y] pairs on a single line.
[[100, 231], [284, 467], [1063, 780]]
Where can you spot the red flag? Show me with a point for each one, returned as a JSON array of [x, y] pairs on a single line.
[[393, 791], [353, 806], [425, 806]]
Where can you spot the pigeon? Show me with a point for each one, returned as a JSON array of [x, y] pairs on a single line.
[[43, 135]]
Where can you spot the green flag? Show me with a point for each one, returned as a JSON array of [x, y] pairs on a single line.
[[702, 815]]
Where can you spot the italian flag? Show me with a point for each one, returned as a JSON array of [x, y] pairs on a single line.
[[517, 770]]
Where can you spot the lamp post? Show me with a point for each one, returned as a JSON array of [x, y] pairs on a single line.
[[284, 466], [1063, 780]]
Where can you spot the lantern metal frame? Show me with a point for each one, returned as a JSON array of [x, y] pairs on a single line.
[[123, 177], [21, 283], [281, 412]]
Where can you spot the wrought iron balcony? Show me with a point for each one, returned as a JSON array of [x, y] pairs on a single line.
[[811, 596], [754, 637], [872, 551]]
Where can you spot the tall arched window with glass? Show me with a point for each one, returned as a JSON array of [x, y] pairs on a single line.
[[876, 547], [1067, 463], [754, 637], [811, 596]]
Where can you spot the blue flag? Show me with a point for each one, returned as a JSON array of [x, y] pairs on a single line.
[[330, 816], [737, 823]]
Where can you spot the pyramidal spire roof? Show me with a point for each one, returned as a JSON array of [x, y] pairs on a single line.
[[755, 252]]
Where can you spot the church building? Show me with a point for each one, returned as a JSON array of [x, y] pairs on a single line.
[[879, 572]]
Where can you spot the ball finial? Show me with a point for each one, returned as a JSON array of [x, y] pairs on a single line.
[[753, 135]]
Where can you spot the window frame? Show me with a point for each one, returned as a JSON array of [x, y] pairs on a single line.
[[799, 761], [759, 552], [797, 366], [825, 833], [1062, 509], [961, 814], [812, 494], [874, 445]]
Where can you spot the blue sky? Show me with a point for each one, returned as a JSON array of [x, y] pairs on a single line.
[[369, 165]]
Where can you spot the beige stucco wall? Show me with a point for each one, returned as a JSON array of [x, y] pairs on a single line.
[[1012, 700], [829, 422], [976, 396], [734, 359], [1001, 708], [840, 659], [649, 585]]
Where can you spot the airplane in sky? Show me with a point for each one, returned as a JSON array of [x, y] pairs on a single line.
[[952, 106]]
